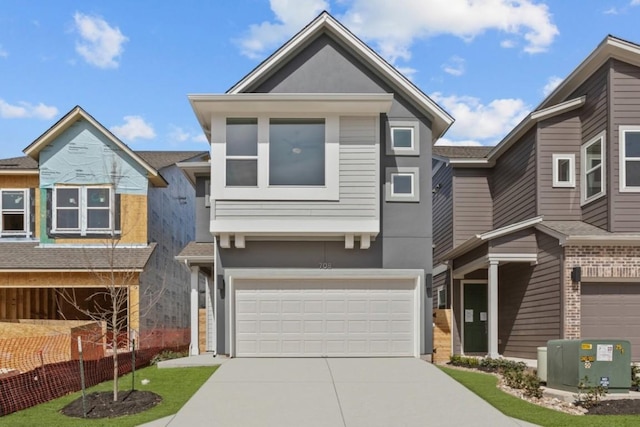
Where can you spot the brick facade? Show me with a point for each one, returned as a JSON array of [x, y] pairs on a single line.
[[599, 263]]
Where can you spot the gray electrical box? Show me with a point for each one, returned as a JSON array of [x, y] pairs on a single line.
[[600, 361]]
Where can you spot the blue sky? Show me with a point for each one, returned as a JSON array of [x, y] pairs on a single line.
[[131, 64]]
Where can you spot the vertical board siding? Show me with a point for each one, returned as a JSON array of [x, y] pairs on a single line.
[[529, 301], [594, 116], [442, 213], [358, 182], [559, 135], [625, 106], [473, 205], [513, 183]]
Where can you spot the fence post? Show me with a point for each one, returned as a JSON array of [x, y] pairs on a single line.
[[84, 394]]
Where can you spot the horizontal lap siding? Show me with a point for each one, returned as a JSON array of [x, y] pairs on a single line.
[[473, 208], [442, 213], [594, 116], [625, 111], [358, 182], [520, 242], [513, 183], [559, 135], [529, 301]]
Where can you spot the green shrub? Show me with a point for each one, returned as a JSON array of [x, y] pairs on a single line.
[[635, 376], [167, 355], [589, 395]]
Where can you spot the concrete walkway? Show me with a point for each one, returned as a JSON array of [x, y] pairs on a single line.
[[334, 392]]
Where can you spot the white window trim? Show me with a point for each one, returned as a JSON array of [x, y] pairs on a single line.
[[329, 191], [622, 130], [415, 187], [600, 138], [441, 292], [414, 150], [241, 157], [83, 230], [572, 170], [27, 213]]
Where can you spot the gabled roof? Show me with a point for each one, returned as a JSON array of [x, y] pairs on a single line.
[[77, 113], [461, 152], [610, 47], [325, 23]]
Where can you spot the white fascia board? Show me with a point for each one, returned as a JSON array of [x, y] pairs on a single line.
[[509, 257], [508, 229], [557, 109], [317, 273], [472, 163], [600, 240], [19, 172], [439, 269], [294, 226], [441, 119], [190, 169]]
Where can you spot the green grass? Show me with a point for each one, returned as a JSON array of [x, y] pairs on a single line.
[[175, 385], [484, 385]]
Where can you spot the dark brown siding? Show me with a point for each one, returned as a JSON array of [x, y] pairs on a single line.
[[442, 213], [472, 207], [472, 255], [625, 105], [558, 135], [513, 183], [529, 301], [594, 115]]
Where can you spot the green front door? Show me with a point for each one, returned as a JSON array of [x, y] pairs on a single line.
[[474, 318]]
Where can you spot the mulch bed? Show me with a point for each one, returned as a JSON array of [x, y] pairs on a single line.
[[101, 404], [616, 407]]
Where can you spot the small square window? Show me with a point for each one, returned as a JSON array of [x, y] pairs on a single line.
[[402, 184], [442, 297], [564, 174], [403, 139]]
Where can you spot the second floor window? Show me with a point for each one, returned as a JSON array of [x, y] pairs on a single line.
[[629, 158], [242, 152], [15, 212], [82, 209], [593, 169]]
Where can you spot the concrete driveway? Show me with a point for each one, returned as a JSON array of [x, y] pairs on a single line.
[[335, 392]]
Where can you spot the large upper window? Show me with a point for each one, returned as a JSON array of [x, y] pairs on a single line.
[[15, 212], [242, 152], [82, 209], [296, 152], [593, 169], [629, 158]]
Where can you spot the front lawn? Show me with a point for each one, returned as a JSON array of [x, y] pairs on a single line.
[[485, 386], [175, 385]]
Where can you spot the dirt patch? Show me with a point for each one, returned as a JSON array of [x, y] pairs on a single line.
[[101, 404]]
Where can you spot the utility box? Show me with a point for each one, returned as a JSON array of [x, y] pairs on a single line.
[[591, 361]]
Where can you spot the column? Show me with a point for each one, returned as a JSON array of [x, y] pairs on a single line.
[[193, 347], [493, 309]]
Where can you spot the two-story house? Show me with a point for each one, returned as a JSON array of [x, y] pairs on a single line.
[[82, 214], [319, 206], [538, 238]]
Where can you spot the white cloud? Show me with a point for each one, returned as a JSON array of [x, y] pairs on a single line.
[[508, 44], [475, 121], [635, 2], [134, 127], [611, 11], [291, 16], [552, 83], [101, 44], [455, 66], [178, 134], [25, 110], [3, 52], [464, 143]]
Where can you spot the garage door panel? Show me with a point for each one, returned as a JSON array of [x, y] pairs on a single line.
[[325, 319], [611, 310]]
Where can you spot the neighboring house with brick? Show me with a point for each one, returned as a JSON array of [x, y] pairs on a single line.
[[81, 206], [319, 212], [538, 238]]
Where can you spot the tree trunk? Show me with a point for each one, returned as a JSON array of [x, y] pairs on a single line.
[[114, 344]]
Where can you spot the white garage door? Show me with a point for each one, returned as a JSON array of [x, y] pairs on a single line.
[[313, 318], [611, 310]]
